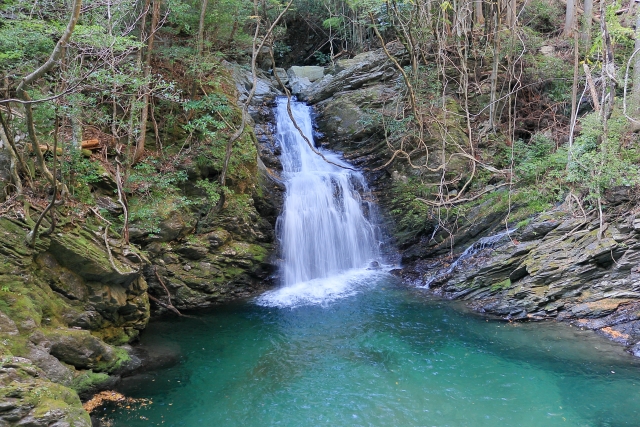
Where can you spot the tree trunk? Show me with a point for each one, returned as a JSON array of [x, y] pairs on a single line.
[[570, 18], [478, 15], [494, 69], [511, 13], [203, 13], [21, 90], [144, 113], [588, 23]]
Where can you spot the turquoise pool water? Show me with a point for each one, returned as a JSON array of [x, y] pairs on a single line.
[[375, 353]]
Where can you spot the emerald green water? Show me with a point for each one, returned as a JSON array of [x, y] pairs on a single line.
[[379, 354]]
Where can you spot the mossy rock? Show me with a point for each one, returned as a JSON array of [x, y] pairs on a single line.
[[86, 256], [30, 400], [81, 349]]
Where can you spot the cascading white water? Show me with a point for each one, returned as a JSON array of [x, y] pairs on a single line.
[[324, 229]]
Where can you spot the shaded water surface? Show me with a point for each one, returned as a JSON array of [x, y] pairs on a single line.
[[382, 355]]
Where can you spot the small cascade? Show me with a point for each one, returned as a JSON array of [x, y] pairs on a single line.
[[482, 243], [326, 229]]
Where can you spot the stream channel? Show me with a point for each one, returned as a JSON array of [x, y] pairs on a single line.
[[343, 343]]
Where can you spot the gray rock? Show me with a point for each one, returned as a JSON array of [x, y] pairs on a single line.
[[78, 348], [109, 205], [299, 84], [537, 230], [7, 326], [547, 50], [282, 74], [619, 194], [362, 70], [192, 251], [51, 366], [243, 79], [176, 225], [218, 238], [312, 73]]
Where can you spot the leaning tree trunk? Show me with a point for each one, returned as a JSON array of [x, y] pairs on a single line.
[[21, 90]]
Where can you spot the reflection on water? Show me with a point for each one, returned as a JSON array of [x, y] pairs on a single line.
[[382, 356]]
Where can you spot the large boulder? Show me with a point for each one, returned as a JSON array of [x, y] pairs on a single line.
[[243, 79], [27, 398], [78, 348], [311, 72], [362, 70], [299, 85], [84, 254]]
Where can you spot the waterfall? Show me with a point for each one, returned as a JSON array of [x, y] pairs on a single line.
[[326, 230]]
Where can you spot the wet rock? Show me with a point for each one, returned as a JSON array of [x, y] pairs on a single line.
[[635, 349]]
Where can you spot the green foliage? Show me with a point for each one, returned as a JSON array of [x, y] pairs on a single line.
[[540, 171], [598, 159], [412, 217], [543, 16], [155, 193], [24, 44], [212, 112], [87, 380], [426, 83], [538, 160], [79, 173], [146, 179], [211, 188], [622, 37], [280, 49], [224, 21]]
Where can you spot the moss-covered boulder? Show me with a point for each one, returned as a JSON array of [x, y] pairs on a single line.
[[27, 398], [61, 303]]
